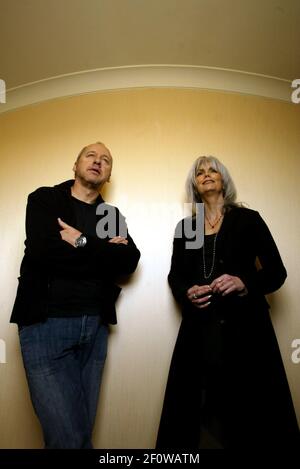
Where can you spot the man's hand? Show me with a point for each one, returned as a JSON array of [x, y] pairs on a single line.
[[68, 233], [118, 240]]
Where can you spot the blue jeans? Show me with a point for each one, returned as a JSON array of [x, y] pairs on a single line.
[[64, 360]]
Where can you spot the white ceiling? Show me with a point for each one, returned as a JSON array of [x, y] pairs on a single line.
[[45, 38]]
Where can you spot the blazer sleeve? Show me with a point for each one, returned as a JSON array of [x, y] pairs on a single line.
[[271, 273], [48, 251], [177, 278]]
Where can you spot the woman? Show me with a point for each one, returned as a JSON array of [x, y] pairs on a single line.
[[227, 386]]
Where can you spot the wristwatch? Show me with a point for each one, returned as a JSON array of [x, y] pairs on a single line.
[[80, 242]]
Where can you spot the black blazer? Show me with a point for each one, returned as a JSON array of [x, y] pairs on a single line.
[[243, 238], [46, 255], [257, 405]]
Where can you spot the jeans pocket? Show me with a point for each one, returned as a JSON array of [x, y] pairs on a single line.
[[26, 327], [21, 328]]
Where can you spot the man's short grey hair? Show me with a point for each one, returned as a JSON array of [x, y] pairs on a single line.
[[84, 148], [229, 190]]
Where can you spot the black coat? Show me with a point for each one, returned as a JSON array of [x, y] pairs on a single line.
[[47, 255], [250, 386]]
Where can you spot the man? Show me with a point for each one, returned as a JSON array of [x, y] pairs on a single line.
[[66, 296]]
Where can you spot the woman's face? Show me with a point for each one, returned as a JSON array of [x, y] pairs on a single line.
[[208, 180]]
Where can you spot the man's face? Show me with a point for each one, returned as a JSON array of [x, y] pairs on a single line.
[[93, 168]]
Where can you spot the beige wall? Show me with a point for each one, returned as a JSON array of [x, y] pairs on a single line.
[[154, 135]]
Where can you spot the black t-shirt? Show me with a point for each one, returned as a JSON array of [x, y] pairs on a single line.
[[71, 296]]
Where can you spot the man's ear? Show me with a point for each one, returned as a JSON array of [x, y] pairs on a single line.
[[74, 167]]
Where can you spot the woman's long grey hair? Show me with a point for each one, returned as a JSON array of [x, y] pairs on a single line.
[[229, 190]]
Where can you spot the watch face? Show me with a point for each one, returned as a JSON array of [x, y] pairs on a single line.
[[80, 242]]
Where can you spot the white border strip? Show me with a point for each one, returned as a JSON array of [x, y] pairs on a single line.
[[147, 76]]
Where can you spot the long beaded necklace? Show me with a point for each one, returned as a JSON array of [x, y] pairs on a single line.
[[205, 274]]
